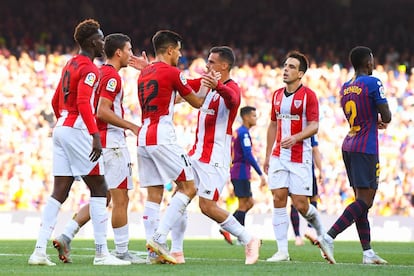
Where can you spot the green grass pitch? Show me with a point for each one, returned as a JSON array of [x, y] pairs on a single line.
[[215, 257]]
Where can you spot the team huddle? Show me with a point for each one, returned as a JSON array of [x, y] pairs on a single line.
[[89, 143]]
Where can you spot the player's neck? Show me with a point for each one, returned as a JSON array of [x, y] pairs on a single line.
[[247, 125], [114, 64], [293, 87], [224, 77], [86, 53]]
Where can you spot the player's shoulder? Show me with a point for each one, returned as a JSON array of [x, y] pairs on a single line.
[[242, 129], [109, 72], [307, 90]]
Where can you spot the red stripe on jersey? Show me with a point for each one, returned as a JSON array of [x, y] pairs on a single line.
[[152, 134]]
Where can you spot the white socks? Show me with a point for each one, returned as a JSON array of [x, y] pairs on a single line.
[[280, 227], [121, 238], [234, 227], [173, 212], [177, 233], [151, 218], [49, 218], [312, 216], [71, 228], [99, 218]]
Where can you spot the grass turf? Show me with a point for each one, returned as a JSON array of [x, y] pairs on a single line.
[[215, 257]]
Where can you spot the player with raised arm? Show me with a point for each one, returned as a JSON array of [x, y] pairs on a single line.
[[211, 153], [160, 158]]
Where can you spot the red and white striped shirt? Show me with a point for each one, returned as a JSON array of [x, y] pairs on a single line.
[[110, 87], [292, 113], [74, 98], [214, 126], [158, 84]]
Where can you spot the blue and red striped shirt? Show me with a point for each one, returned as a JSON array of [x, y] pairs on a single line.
[[359, 100]]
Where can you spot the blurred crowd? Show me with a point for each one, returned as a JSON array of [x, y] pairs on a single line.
[[26, 122], [32, 53]]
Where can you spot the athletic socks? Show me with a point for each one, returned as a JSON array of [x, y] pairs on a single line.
[[99, 218], [294, 218], [177, 233], [313, 218], [280, 222], [151, 218], [71, 228], [49, 218], [240, 216], [231, 225], [174, 211], [351, 213], [121, 238]]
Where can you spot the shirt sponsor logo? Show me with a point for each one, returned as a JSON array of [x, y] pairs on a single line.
[[111, 85], [207, 111], [90, 79], [288, 117], [183, 79]]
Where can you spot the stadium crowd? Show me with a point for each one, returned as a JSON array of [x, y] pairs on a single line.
[[31, 60]]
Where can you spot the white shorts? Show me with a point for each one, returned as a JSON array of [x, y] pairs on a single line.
[[118, 174], [209, 180], [297, 177], [71, 149], [159, 164]]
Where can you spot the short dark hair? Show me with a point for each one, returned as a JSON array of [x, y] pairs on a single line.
[[114, 42], [303, 60], [359, 55], [246, 110], [85, 30], [163, 39], [226, 53]]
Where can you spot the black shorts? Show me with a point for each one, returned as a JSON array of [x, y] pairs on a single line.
[[242, 187], [362, 169]]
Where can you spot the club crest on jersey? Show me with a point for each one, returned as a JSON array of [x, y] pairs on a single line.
[[90, 79], [111, 85], [183, 79], [297, 103]]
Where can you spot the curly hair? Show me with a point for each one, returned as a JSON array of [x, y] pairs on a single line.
[[85, 29]]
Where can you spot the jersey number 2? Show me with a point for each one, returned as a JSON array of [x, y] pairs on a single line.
[[350, 108], [147, 92]]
